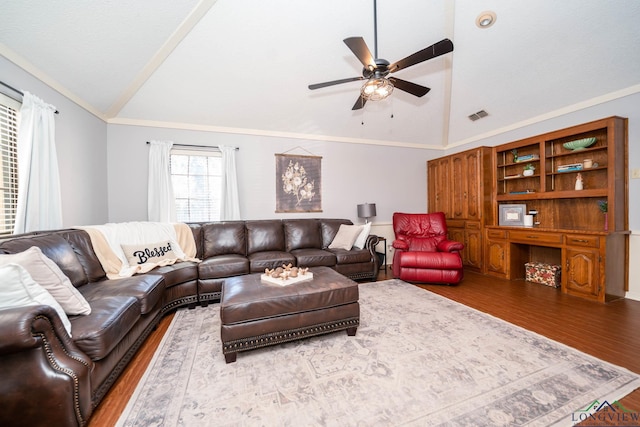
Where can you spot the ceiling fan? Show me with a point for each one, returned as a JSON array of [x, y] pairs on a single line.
[[378, 86]]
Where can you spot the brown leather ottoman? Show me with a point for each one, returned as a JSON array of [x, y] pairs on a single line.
[[256, 314]]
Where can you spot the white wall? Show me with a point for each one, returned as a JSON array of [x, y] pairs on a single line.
[[393, 178], [81, 145]]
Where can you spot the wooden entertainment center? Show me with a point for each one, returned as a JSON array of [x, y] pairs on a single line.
[[567, 191]]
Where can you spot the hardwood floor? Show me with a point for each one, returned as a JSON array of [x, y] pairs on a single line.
[[607, 331]]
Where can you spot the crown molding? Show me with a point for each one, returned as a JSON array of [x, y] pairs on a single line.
[[267, 133], [46, 79]]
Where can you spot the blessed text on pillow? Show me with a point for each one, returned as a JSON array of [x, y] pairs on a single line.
[[151, 252]]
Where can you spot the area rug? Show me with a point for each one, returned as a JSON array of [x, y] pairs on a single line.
[[418, 359]]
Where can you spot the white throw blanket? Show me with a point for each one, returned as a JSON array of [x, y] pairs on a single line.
[[107, 241]]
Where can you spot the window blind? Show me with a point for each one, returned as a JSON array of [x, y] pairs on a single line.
[[8, 163], [196, 176]]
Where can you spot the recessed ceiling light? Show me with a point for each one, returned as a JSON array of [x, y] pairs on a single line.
[[486, 19]]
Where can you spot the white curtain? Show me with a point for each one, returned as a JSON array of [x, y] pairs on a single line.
[[39, 201], [230, 206], [161, 203]]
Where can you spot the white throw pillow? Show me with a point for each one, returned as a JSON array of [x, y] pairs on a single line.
[[362, 237], [47, 274], [18, 289], [149, 252], [346, 235]]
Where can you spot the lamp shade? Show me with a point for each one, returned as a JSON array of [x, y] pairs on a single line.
[[366, 210]]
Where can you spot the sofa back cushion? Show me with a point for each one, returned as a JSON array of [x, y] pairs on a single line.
[[224, 238], [264, 235], [196, 229], [302, 234], [81, 244], [329, 229], [54, 247]]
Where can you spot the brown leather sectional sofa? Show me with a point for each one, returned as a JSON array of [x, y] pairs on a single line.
[[49, 378]]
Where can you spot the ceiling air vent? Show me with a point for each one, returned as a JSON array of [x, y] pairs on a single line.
[[476, 116]]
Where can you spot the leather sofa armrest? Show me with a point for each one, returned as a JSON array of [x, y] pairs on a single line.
[[370, 244], [450, 246], [39, 364]]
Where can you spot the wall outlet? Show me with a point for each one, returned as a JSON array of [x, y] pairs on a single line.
[[635, 173]]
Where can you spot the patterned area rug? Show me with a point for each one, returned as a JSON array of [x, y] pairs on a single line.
[[418, 359]]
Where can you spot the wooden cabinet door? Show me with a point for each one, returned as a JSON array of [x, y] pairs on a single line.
[[458, 195], [457, 234], [473, 247], [438, 186], [496, 257], [473, 182], [582, 273]]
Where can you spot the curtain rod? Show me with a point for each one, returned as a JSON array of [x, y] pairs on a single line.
[[16, 91], [196, 146]]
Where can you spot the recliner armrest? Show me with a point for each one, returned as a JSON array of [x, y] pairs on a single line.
[[400, 244], [450, 246]]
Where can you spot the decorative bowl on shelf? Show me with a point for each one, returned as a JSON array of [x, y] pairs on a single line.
[[579, 144]]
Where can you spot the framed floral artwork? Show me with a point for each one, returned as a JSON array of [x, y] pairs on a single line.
[[298, 183]]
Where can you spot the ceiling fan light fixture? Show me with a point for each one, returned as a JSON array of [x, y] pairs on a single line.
[[486, 19], [376, 89]]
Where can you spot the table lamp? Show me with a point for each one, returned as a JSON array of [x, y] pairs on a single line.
[[366, 211]]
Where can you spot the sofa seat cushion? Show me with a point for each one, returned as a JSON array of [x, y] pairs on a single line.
[[110, 320], [314, 258], [146, 288], [175, 274], [430, 260], [354, 256], [271, 259], [223, 266]]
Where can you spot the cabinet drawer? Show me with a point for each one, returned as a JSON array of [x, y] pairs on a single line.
[[455, 223], [472, 225], [582, 240], [496, 234], [535, 237]]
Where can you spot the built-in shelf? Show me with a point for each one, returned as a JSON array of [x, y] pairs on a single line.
[[571, 229]]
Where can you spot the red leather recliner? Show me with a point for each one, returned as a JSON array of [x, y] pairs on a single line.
[[422, 251]]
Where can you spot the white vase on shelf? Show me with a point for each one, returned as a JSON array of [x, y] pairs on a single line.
[[579, 182]]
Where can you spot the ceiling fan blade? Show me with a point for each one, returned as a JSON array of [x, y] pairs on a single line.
[[440, 48], [412, 88], [334, 82], [359, 103], [360, 49]]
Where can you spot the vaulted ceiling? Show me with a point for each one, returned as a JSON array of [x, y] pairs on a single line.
[[244, 65]]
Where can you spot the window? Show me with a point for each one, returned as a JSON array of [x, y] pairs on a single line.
[[196, 176], [9, 111]]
